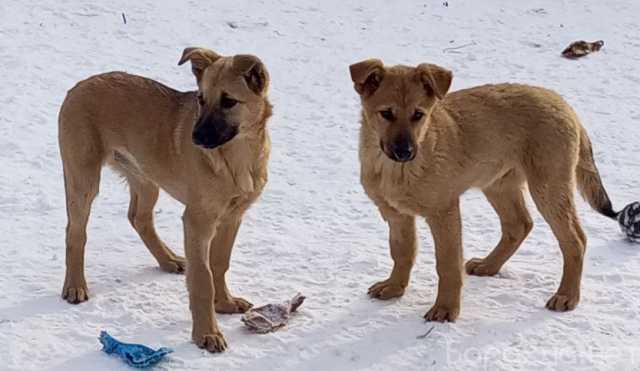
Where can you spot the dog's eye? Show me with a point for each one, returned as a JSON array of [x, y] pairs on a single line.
[[387, 115], [227, 102], [417, 116], [200, 99]]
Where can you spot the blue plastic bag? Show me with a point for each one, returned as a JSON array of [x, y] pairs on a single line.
[[135, 355]]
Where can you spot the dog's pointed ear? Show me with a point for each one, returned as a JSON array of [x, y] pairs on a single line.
[[436, 80], [254, 72], [200, 59], [367, 76]]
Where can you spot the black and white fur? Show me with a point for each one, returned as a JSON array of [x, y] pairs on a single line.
[[629, 219]]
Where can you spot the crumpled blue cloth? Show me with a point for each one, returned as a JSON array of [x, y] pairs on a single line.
[[135, 355]]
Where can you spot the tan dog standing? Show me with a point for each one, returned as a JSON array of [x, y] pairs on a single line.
[[421, 148], [207, 149]]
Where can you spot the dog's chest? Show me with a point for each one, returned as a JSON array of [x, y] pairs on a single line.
[[403, 200], [400, 194]]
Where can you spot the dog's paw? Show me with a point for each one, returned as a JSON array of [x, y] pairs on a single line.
[[213, 342], [385, 290], [175, 264], [479, 267], [442, 313], [232, 305], [562, 303], [75, 294]]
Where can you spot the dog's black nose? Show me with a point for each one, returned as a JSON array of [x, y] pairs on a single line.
[[403, 151], [196, 139]]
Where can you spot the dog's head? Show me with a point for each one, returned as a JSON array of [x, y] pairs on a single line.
[[397, 102], [232, 95]]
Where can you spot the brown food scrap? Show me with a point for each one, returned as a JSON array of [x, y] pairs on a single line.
[[581, 48], [271, 317]]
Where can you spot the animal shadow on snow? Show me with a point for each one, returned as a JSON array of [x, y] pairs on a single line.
[[104, 284]]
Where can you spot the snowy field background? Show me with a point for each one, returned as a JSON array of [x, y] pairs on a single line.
[[314, 230]]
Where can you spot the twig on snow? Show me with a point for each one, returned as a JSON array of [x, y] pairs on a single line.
[[124, 19], [459, 47], [425, 334]]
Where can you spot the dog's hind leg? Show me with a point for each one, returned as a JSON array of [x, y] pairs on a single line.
[[144, 195], [81, 167], [555, 201], [505, 195]]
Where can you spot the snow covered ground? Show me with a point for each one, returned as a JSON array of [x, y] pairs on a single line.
[[314, 230]]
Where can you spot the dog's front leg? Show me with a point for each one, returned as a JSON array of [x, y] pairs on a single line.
[[402, 243], [446, 229], [221, 247], [199, 229]]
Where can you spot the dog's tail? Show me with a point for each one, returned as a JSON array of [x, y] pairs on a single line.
[[591, 188], [589, 182]]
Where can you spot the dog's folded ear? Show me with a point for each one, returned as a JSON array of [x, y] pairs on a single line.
[[367, 76], [436, 80], [254, 72], [200, 59]]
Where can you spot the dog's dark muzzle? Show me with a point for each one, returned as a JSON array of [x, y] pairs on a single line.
[[400, 151], [211, 133]]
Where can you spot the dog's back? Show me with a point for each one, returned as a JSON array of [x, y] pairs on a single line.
[[513, 117], [121, 119], [99, 108], [509, 126]]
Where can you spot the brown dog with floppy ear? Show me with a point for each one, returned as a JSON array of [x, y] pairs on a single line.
[[422, 147], [200, 59], [208, 149], [367, 75]]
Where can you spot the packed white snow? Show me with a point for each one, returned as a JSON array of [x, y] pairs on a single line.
[[314, 230]]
